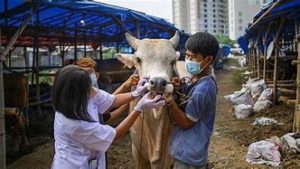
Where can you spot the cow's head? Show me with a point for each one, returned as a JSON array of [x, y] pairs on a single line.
[[155, 58]]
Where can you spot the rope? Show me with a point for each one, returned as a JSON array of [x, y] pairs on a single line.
[[141, 138]]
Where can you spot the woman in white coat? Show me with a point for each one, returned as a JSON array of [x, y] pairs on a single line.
[[79, 137]]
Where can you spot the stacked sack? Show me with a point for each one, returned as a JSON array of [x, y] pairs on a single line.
[[243, 101]]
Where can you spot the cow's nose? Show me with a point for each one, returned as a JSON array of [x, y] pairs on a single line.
[[158, 83]]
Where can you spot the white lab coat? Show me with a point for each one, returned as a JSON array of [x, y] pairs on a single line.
[[77, 142]]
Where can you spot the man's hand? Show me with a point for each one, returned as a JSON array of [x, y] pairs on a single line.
[[169, 99], [141, 88], [132, 80], [176, 82]]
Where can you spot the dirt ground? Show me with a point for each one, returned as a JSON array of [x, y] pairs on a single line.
[[229, 142]]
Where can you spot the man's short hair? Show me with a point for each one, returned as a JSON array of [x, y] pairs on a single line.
[[203, 43], [86, 63]]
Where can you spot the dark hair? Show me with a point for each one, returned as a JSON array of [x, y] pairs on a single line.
[[203, 43], [70, 92]]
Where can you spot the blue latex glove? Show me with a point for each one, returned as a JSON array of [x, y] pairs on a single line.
[[141, 88], [147, 103]]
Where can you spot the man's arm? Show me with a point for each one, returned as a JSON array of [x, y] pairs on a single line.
[[179, 116]]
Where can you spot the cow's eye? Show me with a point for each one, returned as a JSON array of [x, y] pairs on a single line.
[[138, 60]]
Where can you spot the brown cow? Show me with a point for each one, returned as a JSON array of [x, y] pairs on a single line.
[[15, 96]]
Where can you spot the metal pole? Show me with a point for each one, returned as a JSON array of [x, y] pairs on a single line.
[[37, 62], [2, 116], [100, 51], [75, 44]]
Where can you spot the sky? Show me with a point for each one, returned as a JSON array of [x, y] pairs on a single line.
[[159, 8]]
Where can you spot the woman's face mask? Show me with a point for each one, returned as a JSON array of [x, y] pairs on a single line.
[[94, 79]]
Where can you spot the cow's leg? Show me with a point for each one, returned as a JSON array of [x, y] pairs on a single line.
[[16, 136], [22, 128]]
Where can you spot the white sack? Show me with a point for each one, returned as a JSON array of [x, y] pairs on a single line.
[[242, 111], [263, 152], [262, 105]]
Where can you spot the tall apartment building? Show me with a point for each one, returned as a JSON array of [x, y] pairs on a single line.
[[241, 13], [201, 15]]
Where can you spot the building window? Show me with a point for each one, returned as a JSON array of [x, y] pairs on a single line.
[[205, 26], [215, 31], [214, 16], [240, 28], [214, 5], [240, 13], [205, 30], [240, 21], [205, 15], [214, 0], [214, 10], [205, 20], [214, 26], [204, 5], [214, 21], [205, 10]]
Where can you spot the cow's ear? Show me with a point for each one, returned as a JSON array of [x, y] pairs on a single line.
[[177, 55], [126, 59]]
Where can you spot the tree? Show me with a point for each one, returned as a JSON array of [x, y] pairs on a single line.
[[225, 40]]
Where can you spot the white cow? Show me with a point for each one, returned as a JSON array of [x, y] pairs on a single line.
[[150, 133]]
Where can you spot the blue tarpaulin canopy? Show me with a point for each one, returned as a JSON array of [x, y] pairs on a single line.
[[82, 21], [272, 13]]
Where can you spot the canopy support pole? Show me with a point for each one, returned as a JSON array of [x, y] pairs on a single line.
[[75, 44], [276, 59], [296, 122], [36, 70], [265, 51], [15, 37], [256, 51], [100, 51], [2, 116], [120, 23]]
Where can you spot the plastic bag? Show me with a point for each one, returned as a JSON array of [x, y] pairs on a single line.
[[262, 105], [264, 152], [290, 143], [266, 94], [264, 121], [242, 111], [241, 98]]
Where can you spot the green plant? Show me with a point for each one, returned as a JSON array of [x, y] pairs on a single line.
[[225, 40]]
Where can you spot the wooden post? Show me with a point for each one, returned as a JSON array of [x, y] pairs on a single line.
[[265, 51], [256, 51], [276, 47], [254, 62], [2, 118], [296, 122]]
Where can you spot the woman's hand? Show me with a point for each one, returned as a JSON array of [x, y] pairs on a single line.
[[141, 87], [147, 102]]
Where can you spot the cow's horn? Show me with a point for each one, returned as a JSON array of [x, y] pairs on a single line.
[[133, 42], [175, 40]]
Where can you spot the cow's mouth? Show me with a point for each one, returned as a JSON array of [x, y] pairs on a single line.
[[160, 90]]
